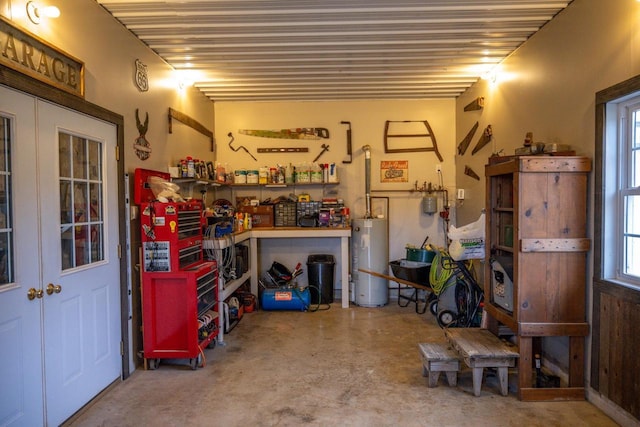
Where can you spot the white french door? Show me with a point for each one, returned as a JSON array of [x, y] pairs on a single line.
[[59, 267]]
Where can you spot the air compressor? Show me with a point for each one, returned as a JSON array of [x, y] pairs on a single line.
[[284, 296], [286, 299]]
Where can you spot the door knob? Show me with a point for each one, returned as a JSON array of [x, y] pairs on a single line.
[[32, 293], [51, 288]]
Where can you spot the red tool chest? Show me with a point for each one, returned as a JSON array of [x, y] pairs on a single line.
[[171, 235], [179, 290], [180, 313]]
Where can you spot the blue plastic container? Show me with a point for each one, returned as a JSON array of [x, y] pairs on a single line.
[[285, 299]]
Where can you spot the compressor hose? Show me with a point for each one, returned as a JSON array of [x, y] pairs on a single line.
[[439, 274]]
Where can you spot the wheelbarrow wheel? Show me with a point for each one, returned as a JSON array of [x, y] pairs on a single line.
[[433, 307]]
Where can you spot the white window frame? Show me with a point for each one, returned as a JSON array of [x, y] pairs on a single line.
[[617, 172]]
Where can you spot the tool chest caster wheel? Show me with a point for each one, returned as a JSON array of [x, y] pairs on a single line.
[[212, 343], [153, 364], [195, 362]]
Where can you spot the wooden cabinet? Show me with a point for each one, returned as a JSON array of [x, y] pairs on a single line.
[[536, 228]]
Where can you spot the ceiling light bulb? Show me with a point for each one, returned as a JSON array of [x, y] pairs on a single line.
[[36, 13]]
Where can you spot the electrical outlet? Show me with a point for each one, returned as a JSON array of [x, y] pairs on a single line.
[[460, 193], [438, 168]]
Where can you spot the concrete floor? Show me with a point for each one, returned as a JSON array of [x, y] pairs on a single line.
[[347, 367]]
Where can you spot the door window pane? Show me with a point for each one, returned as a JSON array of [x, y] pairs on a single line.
[[64, 149], [81, 202], [94, 160], [6, 212], [79, 157]]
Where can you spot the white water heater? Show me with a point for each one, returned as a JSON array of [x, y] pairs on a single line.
[[370, 251]]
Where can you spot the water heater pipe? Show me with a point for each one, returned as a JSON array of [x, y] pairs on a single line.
[[367, 180]]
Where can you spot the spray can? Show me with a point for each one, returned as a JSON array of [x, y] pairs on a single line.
[[191, 170]]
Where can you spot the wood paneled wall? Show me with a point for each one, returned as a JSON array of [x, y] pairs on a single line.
[[615, 344], [615, 357]]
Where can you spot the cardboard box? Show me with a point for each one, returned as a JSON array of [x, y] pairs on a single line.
[[261, 216]]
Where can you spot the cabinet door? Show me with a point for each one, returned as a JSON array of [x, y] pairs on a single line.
[[551, 279]]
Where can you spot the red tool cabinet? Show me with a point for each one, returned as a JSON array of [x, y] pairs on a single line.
[[171, 235], [179, 290], [180, 313]]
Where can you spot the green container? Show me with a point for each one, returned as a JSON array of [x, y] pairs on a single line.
[[420, 255]]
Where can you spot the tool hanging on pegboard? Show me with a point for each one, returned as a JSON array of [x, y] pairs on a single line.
[[242, 147]]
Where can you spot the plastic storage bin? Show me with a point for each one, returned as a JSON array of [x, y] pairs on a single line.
[[320, 271]]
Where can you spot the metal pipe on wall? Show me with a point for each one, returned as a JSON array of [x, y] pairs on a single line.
[[367, 180]]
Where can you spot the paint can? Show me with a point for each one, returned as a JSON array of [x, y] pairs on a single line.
[[263, 175], [240, 176], [252, 177]]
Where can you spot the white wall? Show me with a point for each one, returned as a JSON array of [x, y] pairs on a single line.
[[90, 34], [407, 224]]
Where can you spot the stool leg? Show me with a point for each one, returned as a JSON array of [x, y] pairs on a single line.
[[477, 380], [503, 376], [433, 378], [452, 378]]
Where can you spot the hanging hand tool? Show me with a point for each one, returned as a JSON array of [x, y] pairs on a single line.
[[325, 147], [284, 150], [470, 172], [464, 144], [484, 139], [296, 133], [348, 142], [411, 133], [230, 135]]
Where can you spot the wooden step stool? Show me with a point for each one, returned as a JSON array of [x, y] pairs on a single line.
[[481, 349], [438, 358]]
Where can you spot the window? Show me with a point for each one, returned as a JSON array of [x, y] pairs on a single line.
[[81, 188], [630, 192], [621, 197], [6, 211]]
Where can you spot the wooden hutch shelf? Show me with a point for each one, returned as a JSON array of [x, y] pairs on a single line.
[[536, 224]]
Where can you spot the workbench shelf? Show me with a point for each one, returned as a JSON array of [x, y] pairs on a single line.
[[294, 185], [536, 225]]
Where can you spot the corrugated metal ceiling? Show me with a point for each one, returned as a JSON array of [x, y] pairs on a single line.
[[333, 49]]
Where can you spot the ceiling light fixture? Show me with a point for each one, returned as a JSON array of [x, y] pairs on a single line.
[[36, 13]]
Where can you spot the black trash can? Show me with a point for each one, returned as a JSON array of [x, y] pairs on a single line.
[[320, 270]]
